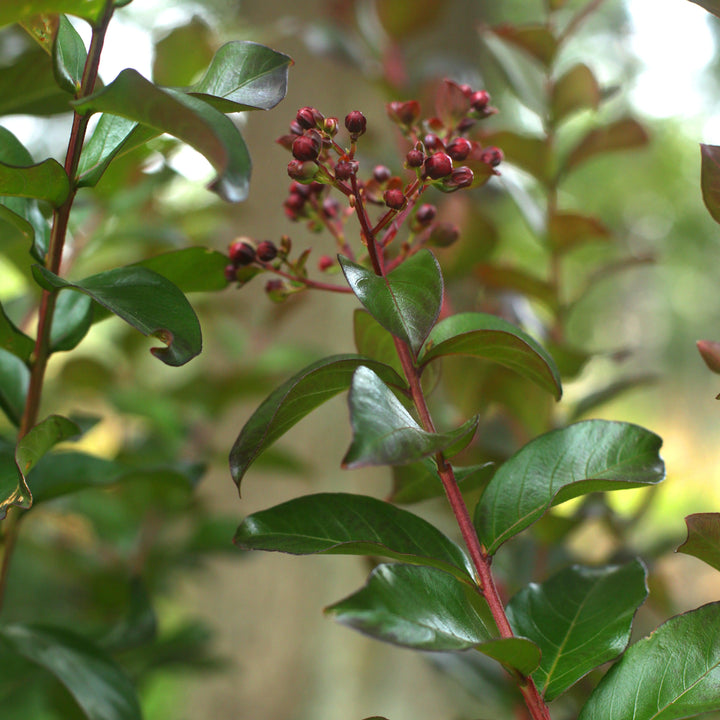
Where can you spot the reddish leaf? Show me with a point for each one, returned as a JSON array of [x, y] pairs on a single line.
[[576, 90], [568, 230], [536, 40], [400, 18], [703, 540], [451, 103], [710, 179], [623, 134], [506, 278]]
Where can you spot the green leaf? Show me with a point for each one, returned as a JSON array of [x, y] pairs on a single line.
[[492, 338], [72, 319], [420, 481], [344, 524], [590, 456], [577, 89], [191, 120], [674, 673], [145, 300], [244, 76], [12, 12], [567, 230], [69, 57], [384, 432], [580, 618], [44, 181], [712, 6], [710, 179], [295, 399], [97, 684], [703, 538], [418, 607], [623, 134], [406, 302], [532, 154], [14, 382], [13, 340], [183, 53], [500, 277], [193, 269], [536, 40], [374, 341]]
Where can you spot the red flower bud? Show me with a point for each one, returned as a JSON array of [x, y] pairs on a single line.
[[415, 158], [307, 146], [330, 125], [461, 177], [230, 273], [492, 156], [303, 172], [444, 234], [266, 251], [308, 117], [405, 113], [345, 169], [394, 198], [381, 173], [438, 166], [325, 263], [480, 100], [433, 143], [355, 123], [241, 253], [426, 214], [459, 148]]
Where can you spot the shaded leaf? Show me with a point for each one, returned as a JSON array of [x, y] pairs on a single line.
[[45, 181], [139, 624], [674, 673], [374, 341], [577, 89], [344, 524], [712, 6], [68, 56], [532, 154], [567, 230], [193, 269], [500, 277], [244, 75], [420, 481], [407, 301], [703, 538], [184, 52], [400, 20], [492, 338], [71, 321], [623, 134], [580, 618], [536, 40], [202, 127], [589, 456], [384, 432], [710, 179], [13, 340], [21, 218], [14, 382], [145, 300], [418, 607], [516, 653], [295, 399], [97, 684]]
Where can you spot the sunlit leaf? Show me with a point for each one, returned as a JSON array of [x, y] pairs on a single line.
[[244, 75], [44, 181], [295, 399], [673, 673], [384, 432], [11, 12], [145, 300], [577, 89], [710, 179], [343, 524], [580, 618], [703, 538], [420, 481], [492, 338], [407, 301], [42, 29], [14, 382], [191, 120], [193, 269], [69, 56], [97, 684], [589, 456], [537, 41]]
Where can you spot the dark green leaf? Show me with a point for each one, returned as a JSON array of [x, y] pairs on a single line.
[[145, 300], [567, 230], [623, 134], [139, 625], [21, 218], [536, 40], [69, 56], [384, 432], [577, 89], [590, 456], [344, 524], [45, 181], [674, 673], [193, 269], [515, 653], [244, 76], [71, 321], [580, 618], [492, 338], [407, 301], [420, 481], [703, 538], [710, 179], [14, 382], [97, 684], [295, 399], [418, 607], [500, 277], [712, 6], [13, 340], [374, 341], [191, 120]]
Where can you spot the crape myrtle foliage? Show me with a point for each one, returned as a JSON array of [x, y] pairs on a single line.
[[429, 593], [88, 544]]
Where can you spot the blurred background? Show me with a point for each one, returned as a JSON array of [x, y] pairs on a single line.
[[256, 644]]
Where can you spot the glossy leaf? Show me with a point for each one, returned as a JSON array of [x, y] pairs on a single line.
[[14, 382], [712, 6], [145, 300], [492, 338], [674, 673], [69, 56], [418, 607], [703, 538], [532, 154], [710, 179], [420, 481], [98, 685], [45, 181], [516, 653], [623, 134], [580, 618], [406, 302], [193, 269], [590, 456], [536, 40], [72, 319], [384, 432], [568, 230], [202, 127], [295, 399], [244, 76], [344, 524], [577, 89], [13, 340], [11, 12]]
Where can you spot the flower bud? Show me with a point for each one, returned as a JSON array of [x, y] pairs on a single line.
[[433, 143], [345, 169], [444, 234], [302, 172], [330, 126], [394, 198], [461, 177], [276, 289], [426, 214], [415, 158], [307, 146], [355, 122], [308, 117], [459, 148], [480, 100], [241, 252], [381, 173], [492, 156], [438, 166], [325, 262], [266, 251], [404, 113], [230, 273]]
